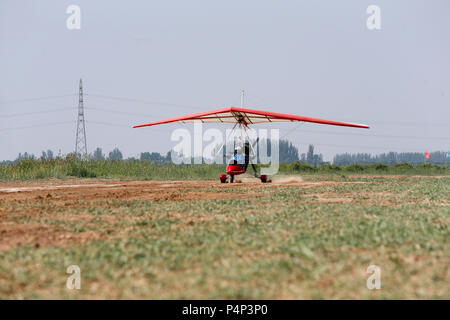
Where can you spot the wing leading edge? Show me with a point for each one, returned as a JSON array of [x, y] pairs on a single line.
[[248, 116]]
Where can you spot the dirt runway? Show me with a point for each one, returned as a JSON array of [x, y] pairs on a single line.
[[37, 213], [97, 190]]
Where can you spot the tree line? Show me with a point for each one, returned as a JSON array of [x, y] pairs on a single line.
[[390, 158], [288, 153]]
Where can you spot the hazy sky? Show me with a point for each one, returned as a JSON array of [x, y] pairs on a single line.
[[147, 60]]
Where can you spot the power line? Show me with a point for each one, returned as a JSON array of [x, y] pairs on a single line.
[[186, 106], [36, 99], [148, 115], [120, 125], [296, 127], [118, 112], [361, 147], [38, 125], [179, 106], [144, 101], [292, 130], [373, 135], [12, 115], [110, 124], [411, 123]]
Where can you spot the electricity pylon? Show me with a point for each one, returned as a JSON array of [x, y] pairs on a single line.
[[80, 144]]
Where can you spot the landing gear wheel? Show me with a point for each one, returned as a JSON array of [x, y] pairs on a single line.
[[231, 178]]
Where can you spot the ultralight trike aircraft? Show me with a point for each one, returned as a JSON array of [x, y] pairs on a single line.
[[242, 118]]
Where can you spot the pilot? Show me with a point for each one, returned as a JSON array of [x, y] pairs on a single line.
[[242, 156]]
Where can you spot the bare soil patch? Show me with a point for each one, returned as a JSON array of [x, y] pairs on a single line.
[[54, 199]]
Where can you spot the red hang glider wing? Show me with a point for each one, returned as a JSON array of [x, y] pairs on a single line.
[[247, 116]]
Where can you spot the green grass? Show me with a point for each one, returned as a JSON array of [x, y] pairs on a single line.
[[63, 169], [291, 242], [67, 168]]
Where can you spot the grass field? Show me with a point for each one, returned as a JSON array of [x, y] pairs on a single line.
[[291, 239], [141, 170]]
